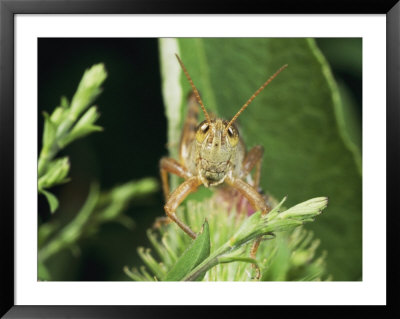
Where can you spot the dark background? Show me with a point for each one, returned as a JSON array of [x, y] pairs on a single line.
[[133, 140]]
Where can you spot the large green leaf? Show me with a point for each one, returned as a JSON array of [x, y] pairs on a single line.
[[296, 119]]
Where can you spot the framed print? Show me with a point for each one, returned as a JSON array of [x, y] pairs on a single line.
[[154, 159]]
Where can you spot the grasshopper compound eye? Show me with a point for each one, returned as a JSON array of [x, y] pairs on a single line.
[[202, 131], [233, 135]]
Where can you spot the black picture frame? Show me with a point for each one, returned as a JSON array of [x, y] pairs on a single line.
[[8, 10]]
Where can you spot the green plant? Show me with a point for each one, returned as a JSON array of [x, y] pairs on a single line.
[[67, 123], [221, 250]]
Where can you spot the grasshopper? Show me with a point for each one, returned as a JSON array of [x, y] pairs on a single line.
[[212, 153]]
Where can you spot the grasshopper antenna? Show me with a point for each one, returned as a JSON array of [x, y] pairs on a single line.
[[196, 93], [254, 96]]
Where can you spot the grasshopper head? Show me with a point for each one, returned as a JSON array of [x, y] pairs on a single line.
[[216, 145]]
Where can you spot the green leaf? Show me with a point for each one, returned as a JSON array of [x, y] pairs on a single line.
[[88, 89], [52, 199], [49, 133], [307, 209], [58, 115], [56, 173], [82, 132], [84, 126], [296, 119], [194, 255], [64, 103]]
